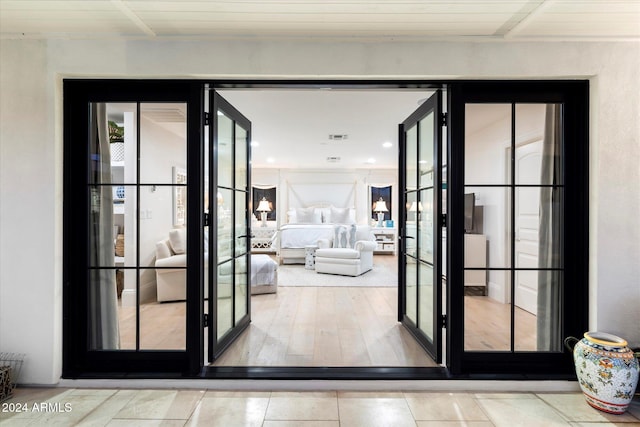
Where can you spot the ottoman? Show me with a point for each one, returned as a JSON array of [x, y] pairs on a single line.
[[264, 275]]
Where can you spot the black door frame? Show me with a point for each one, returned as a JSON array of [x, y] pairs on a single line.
[[79, 363]]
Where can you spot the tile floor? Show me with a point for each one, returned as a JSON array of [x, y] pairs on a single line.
[[193, 407]]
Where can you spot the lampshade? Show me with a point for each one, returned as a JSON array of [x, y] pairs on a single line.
[[416, 207], [381, 206], [263, 206]]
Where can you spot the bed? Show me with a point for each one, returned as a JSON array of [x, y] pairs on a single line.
[[300, 231], [292, 239]]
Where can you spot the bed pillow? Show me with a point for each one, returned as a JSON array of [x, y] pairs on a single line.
[[326, 215], [308, 216], [342, 216], [291, 217]]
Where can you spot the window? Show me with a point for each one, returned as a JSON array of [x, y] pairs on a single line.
[[381, 205]]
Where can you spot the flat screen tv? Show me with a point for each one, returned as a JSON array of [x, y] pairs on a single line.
[[469, 207]]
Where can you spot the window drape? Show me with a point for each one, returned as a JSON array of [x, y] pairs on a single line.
[[102, 293], [550, 282]]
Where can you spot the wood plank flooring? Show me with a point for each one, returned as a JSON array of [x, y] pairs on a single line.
[[325, 326], [487, 326], [329, 326]]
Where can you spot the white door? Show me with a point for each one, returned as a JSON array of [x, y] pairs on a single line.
[[528, 164]]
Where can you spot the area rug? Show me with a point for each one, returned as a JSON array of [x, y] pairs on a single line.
[[297, 275]]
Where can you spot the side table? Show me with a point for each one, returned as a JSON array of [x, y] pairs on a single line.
[[310, 257]]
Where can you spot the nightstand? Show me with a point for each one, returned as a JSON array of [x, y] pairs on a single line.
[[386, 238], [261, 238]]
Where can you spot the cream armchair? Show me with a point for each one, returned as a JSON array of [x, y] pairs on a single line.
[[171, 277], [347, 261]]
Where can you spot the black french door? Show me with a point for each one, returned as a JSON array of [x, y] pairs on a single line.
[[132, 225], [518, 219], [419, 261], [229, 207]]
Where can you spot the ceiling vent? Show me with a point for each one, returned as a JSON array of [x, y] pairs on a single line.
[[333, 159], [338, 137]]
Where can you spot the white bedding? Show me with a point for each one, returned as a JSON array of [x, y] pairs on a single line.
[[301, 235]]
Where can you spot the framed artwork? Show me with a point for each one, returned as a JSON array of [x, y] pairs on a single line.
[[179, 196]]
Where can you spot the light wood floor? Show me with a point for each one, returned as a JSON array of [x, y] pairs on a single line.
[[162, 326], [329, 326], [325, 326], [487, 326]]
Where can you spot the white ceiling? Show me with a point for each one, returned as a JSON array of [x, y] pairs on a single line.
[[468, 19], [292, 127]]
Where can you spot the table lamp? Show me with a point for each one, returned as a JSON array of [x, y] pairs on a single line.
[[263, 208], [381, 208]]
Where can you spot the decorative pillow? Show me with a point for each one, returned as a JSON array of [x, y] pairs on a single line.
[[340, 216], [344, 236], [178, 240], [308, 216], [162, 250], [340, 236], [351, 238]]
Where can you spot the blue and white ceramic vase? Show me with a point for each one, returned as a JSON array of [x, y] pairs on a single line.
[[607, 371]]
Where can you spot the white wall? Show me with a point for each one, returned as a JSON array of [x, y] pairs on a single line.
[[31, 148], [358, 180]]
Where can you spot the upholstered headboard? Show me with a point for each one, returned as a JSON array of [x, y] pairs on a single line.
[[322, 195]]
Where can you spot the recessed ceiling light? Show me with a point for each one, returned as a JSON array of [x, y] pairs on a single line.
[[387, 145], [270, 160], [255, 144], [371, 160]]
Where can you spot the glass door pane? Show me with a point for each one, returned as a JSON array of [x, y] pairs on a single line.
[[137, 234], [512, 242], [420, 293]]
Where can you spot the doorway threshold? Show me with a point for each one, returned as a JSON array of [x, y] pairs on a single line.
[[442, 385], [325, 373]]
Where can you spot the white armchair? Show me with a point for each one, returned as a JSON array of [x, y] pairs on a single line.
[[171, 277], [347, 261]]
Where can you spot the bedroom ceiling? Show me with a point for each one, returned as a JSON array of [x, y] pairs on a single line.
[[294, 127], [377, 19]]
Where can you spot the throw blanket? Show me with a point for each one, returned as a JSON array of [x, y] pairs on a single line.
[[300, 235], [263, 270]]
